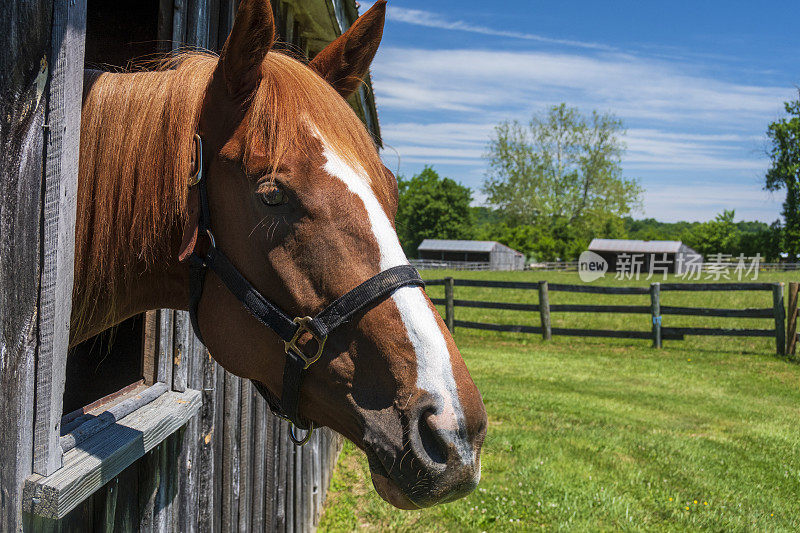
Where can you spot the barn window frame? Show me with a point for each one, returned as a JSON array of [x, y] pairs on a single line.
[[68, 468]]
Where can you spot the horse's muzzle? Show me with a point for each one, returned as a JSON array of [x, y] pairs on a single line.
[[438, 461]]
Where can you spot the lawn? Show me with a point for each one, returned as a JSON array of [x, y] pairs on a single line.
[[610, 434]]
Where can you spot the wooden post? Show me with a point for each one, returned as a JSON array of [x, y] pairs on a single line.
[[655, 313], [780, 318], [544, 311], [449, 307], [791, 340]]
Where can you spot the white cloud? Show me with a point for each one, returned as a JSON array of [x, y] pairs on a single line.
[[702, 201], [430, 19]]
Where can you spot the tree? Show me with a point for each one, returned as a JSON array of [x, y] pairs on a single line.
[[560, 166], [784, 172], [562, 172], [432, 207]]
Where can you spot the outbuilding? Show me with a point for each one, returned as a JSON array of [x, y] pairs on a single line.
[[497, 256], [622, 254]]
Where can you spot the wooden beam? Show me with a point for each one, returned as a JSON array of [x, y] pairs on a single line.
[[60, 193], [24, 48], [104, 456], [791, 338]]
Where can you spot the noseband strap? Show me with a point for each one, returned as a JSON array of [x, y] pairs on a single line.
[[299, 334]]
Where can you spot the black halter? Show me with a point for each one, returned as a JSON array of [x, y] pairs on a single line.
[[363, 297]]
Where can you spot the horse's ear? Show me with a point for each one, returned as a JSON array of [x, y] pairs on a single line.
[[248, 44], [345, 61]]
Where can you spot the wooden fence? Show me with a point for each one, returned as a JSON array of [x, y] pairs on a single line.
[[658, 331]]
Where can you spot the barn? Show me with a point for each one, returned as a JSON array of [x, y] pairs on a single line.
[[675, 256], [497, 256], [165, 440]]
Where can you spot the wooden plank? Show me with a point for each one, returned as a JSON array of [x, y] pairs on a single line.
[[245, 454], [716, 286], [208, 438], [791, 321], [261, 449], [432, 282], [181, 354], [179, 15], [498, 327], [719, 332], [105, 455], [197, 23], [496, 284], [230, 454], [111, 416], [579, 308], [615, 334], [655, 313], [544, 311], [219, 445], [164, 26], [780, 318], [703, 311], [148, 482], [449, 310], [165, 320], [150, 347], [77, 417], [482, 304], [24, 47], [60, 199], [271, 474], [598, 289]]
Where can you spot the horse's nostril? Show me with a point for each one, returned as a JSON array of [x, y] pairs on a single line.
[[434, 446]]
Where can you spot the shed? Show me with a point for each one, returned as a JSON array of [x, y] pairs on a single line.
[[190, 447], [675, 256], [498, 256]]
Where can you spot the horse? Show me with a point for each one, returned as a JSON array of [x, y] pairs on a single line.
[[303, 209]]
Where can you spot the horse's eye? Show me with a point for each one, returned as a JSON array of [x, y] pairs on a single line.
[[273, 196]]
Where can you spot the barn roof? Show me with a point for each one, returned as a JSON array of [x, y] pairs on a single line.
[[636, 246], [445, 245]]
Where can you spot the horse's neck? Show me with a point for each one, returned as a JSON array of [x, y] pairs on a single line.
[[101, 301]]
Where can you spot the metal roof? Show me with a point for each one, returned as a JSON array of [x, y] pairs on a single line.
[[444, 245], [627, 245]]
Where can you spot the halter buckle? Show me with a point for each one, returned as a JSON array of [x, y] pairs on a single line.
[[303, 326]]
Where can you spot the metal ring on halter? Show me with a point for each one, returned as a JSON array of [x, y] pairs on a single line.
[[304, 440], [211, 237], [195, 178]]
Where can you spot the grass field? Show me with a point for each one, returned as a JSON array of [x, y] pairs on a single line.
[[610, 434]]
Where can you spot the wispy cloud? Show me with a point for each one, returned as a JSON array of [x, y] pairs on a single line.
[[430, 19], [690, 121]]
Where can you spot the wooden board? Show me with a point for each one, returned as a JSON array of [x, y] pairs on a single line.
[[106, 454], [24, 49], [60, 199]]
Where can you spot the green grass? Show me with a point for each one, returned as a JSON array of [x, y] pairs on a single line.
[[607, 434]]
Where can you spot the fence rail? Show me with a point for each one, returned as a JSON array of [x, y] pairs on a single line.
[[656, 311]]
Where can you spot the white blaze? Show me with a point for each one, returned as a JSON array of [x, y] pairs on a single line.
[[434, 370]]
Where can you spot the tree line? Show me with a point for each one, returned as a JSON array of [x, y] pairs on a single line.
[[555, 183]]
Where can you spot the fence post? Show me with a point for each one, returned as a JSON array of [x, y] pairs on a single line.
[[655, 312], [780, 318], [449, 308], [544, 311], [791, 340]]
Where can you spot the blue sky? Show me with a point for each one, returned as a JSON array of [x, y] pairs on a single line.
[[696, 84]]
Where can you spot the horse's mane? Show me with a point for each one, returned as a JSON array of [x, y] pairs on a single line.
[[136, 147]]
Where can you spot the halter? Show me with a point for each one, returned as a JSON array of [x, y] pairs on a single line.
[[364, 297]]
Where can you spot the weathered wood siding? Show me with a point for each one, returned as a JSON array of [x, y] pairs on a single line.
[[230, 468], [24, 71]]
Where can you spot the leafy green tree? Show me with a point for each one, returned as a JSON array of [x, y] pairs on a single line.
[[560, 170], [784, 173], [432, 207]]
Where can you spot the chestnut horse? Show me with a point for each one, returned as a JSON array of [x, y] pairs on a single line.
[[302, 206]]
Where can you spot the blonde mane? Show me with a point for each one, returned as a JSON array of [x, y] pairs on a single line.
[[136, 147]]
